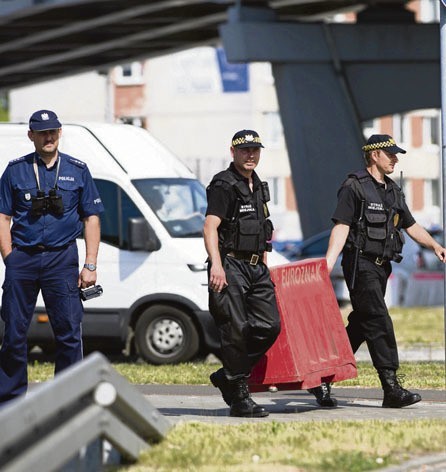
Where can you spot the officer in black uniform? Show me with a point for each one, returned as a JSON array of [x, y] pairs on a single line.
[[369, 219], [237, 234], [50, 198]]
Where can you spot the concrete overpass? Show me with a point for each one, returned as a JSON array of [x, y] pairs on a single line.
[[329, 77], [43, 39]]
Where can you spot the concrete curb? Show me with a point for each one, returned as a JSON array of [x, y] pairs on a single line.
[[412, 354], [432, 462]]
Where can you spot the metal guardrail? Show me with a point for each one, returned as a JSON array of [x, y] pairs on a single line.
[[89, 401]]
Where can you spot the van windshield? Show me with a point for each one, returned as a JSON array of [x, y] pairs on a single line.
[[180, 204]]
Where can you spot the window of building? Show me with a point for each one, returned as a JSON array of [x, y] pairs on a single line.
[[432, 192], [129, 74], [195, 71], [431, 130], [401, 129]]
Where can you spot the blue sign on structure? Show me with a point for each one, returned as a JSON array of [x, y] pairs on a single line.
[[234, 77]]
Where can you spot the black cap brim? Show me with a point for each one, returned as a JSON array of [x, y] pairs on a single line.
[[394, 150], [248, 145]]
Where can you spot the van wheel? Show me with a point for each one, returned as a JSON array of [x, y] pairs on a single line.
[[166, 335]]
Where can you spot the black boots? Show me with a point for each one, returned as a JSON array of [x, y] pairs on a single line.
[[242, 403], [395, 396], [236, 395], [322, 395], [220, 381]]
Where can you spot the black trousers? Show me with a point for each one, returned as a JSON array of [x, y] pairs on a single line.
[[246, 315], [370, 320]]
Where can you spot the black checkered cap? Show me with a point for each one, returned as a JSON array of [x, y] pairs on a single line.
[[384, 142], [246, 138]]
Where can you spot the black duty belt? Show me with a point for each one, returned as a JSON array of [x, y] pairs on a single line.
[[376, 259], [252, 258]]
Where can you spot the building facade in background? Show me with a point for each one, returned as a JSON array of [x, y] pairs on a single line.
[[193, 101], [419, 132]]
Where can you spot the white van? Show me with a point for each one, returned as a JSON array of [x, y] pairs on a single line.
[[151, 261]]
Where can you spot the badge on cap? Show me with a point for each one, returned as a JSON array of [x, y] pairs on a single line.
[[246, 138], [45, 116]]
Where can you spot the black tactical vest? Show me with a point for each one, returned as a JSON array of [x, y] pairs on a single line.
[[249, 228], [378, 233]]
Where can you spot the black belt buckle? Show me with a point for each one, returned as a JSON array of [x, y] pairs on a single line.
[[254, 259], [379, 261]]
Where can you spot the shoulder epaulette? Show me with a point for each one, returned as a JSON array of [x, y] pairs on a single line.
[[74, 161], [16, 161]]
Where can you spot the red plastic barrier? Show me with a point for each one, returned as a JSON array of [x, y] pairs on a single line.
[[313, 345]]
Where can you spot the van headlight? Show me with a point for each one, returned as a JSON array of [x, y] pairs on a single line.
[[197, 267]]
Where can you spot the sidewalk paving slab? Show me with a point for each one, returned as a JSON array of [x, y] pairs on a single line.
[[203, 403]]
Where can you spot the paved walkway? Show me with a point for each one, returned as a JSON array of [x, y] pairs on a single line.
[[204, 403], [180, 403]]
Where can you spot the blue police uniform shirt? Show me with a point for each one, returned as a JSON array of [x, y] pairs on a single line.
[[80, 198]]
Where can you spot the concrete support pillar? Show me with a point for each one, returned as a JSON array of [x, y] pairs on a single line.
[[329, 78]]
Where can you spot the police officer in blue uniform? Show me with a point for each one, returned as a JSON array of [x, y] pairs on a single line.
[[369, 219], [237, 234], [50, 198]]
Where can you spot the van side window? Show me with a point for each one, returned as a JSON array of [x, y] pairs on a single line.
[[118, 209]]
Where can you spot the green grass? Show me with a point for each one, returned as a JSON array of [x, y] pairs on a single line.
[[349, 446], [422, 375], [422, 325], [415, 325], [427, 375], [4, 115]]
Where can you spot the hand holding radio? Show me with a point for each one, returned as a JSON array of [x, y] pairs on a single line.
[[90, 292]]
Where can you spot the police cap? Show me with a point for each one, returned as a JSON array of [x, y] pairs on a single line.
[[246, 138], [384, 142], [44, 120]]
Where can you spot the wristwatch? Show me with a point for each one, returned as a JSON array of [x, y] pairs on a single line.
[[90, 266]]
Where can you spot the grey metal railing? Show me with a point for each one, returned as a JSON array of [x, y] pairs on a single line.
[[90, 401]]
